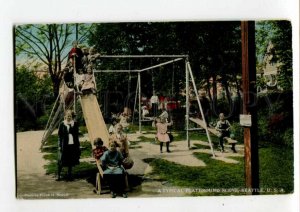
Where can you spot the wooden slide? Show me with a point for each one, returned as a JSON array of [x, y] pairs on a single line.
[[93, 119]]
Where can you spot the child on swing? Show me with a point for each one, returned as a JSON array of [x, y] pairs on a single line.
[[223, 127]]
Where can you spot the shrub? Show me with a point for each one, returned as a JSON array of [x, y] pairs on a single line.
[[288, 137], [275, 118], [237, 132]]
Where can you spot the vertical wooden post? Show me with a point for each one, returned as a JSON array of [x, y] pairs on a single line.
[[249, 106], [76, 32]]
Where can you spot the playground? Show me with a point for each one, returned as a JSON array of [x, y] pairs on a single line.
[[155, 173], [34, 183], [151, 120]]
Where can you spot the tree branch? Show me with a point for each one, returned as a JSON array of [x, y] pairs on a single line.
[[36, 38], [32, 43], [41, 29], [35, 52]]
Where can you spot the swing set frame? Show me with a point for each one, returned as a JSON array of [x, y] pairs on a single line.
[[188, 76]]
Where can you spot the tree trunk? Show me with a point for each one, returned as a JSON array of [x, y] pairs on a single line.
[[215, 99], [228, 95], [208, 89]]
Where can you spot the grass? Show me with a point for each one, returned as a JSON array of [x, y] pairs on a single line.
[[216, 175], [275, 168], [228, 179], [200, 146], [80, 171], [83, 129], [134, 128]]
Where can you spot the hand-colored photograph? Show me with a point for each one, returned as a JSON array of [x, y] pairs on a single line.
[[153, 109]]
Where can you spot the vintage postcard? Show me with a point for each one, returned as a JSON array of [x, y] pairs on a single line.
[[154, 109], [169, 95]]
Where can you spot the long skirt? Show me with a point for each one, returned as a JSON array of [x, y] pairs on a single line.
[[70, 155]]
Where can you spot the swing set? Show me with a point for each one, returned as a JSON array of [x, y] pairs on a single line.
[[56, 116], [188, 77]]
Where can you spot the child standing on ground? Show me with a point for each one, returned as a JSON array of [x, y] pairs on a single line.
[[162, 135], [223, 127]]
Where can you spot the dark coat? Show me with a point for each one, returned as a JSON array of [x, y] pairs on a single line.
[[70, 153], [79, 55]]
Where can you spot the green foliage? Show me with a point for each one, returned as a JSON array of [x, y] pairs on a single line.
[[279, 33], [86, 149], [48, 44], [275, 118], [83, 130], [237, 132], [213, 48], [288, 137], [32, 94], [42, 120]]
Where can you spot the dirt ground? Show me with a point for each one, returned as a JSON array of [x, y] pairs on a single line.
[[33, 183]]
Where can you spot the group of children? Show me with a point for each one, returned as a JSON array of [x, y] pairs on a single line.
[[114, 160], [81, 65]]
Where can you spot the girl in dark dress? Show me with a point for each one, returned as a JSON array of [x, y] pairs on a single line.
[[68, 144]]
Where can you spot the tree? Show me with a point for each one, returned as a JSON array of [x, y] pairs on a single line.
[[279, 33], [47, 44], [32, 94], [213, 49]]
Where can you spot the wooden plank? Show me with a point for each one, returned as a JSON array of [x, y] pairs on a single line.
[[195, 129], [202, 124], [215, 132], [147, 118], [93, 119], [230, 140]]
